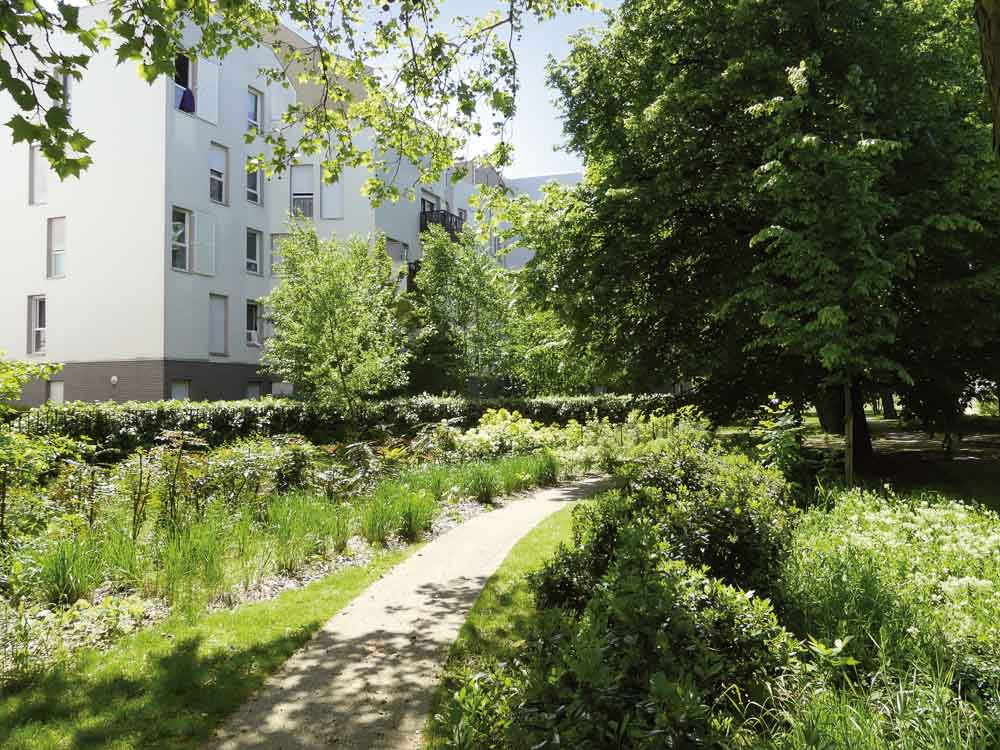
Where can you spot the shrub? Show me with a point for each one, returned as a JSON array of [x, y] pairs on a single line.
[[663, 656], [124, 427], [569, 578]]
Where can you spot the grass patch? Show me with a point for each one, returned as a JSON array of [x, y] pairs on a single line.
[[171, 685], [500, 619]]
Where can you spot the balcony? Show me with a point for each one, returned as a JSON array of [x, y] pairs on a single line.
[[453, 224]]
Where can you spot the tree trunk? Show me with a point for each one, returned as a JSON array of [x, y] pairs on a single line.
[[888, 405], [830, 410], [988, 19], [864, 454]]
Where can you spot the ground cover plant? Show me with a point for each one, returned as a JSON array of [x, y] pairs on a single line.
[[95, 550], [698, 606]]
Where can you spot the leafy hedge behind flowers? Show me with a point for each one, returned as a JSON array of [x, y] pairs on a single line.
[[133, 424]]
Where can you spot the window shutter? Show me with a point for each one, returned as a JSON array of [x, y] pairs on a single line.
[[217, 314], [332, 200], [204, 243], [207, 95], [217, 158], [302, 179]]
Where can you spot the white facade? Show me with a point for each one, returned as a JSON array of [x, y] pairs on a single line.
[[518, 257], [136, 303]]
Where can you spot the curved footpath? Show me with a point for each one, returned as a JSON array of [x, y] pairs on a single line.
[[366, 678]]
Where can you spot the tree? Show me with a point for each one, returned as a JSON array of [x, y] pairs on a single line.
[[393, 68], [15, 374], [770, 198], [462, 304], [336, 337]]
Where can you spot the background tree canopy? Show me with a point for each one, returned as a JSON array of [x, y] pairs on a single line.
[[773, 200]]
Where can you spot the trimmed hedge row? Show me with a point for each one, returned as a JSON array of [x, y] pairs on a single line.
[[133, 424]]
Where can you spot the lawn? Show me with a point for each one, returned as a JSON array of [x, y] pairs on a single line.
[[169, 686]]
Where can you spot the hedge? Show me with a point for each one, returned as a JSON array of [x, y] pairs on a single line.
[[124, 426]]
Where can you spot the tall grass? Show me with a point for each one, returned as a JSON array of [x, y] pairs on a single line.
[[69, 569]]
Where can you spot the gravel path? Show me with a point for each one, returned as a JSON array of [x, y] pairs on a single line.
[[366, 678]]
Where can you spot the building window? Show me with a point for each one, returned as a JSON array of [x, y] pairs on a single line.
[[302, 190], [55, 392], [218, 324], [463, 214], [36, 324], [38, 178], [180, 390], [427, 204], [276, 240], [218, 158], [405, 253], [185, 83], [253, 324], [56, 253], [253, 184], [253, 391], [253, 251], [180, 240], [253, 110]]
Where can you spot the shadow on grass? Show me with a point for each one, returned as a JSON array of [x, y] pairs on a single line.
[[173, 700]]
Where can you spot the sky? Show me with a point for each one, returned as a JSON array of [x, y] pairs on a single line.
[[537, 130]]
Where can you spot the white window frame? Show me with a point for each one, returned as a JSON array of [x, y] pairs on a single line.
[[38, 177], [251, 123], [258, 270], [188, 242], [214, 176], [301, 195], [52, 253], [253, 334], [37, 334], [253, 195]]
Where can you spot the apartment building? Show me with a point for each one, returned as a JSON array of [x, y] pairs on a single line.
[[143, 277]]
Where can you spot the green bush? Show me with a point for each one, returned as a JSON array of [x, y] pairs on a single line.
[[662, 656], [124, 427]]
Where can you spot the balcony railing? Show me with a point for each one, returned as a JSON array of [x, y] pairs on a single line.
[[453, 224]]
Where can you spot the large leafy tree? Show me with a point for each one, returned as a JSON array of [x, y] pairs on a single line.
[[415, 81], [771, 197], [336, 336], [462, 303]]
